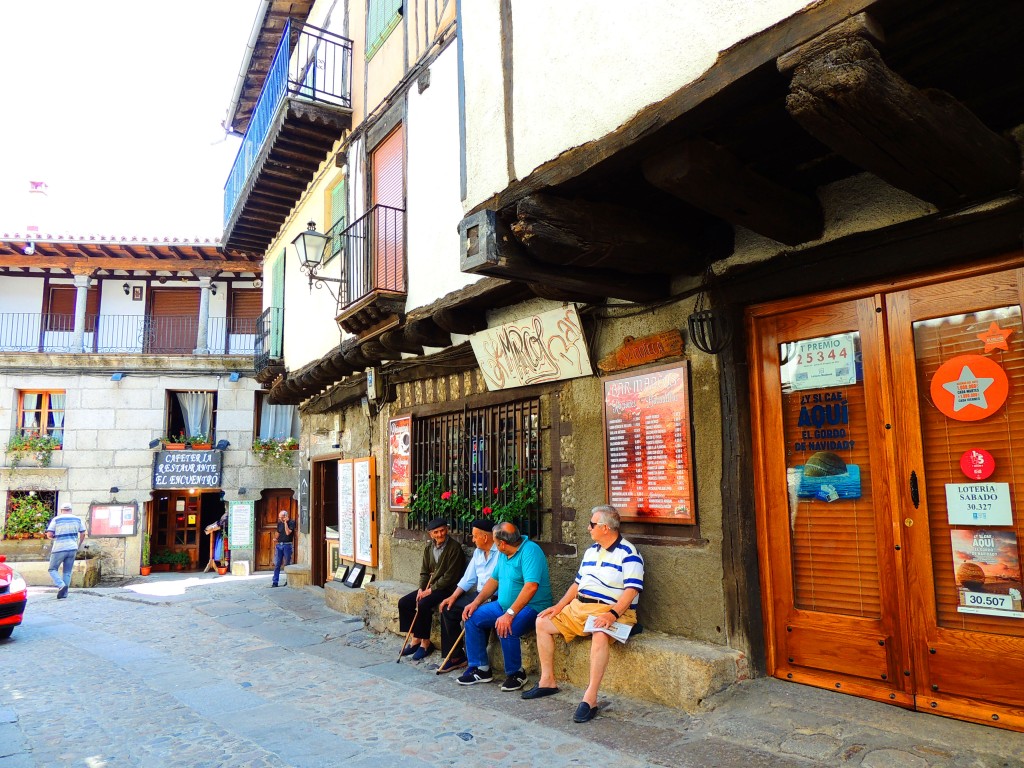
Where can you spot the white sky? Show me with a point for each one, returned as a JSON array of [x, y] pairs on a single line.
[[118, 106]]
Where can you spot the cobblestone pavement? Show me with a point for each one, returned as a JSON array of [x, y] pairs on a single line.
[[207, 671]]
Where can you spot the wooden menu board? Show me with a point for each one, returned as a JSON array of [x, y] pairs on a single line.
[[110, 520], [346, 511], [648, 445], [357, 510]]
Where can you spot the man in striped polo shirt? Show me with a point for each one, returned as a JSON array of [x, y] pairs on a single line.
[[607, 587], [67, 533]]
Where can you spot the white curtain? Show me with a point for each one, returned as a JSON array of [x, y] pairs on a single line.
[[277, 421], [197, 407], [57, 416]]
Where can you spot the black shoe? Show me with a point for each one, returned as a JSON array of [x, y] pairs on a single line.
[[273, 585], [62, 592], [475, 675], [539, 693], [422, 653], [515, 681], [409, 650], [584, 713]]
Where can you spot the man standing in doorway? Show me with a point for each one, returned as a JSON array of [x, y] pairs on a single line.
[[285, 541], [67, 533]]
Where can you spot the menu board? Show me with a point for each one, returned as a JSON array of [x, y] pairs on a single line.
[[240, 524], [346, 509], [648, 445], [112, 519], [365, 509], [400, 451]]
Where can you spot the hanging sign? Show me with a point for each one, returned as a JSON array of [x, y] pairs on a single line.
[[400, 452], [826, 361], [548, 346], [187, 469], [969, 388], [987, 572], [978, 504], [977, 464], [995, 337], [648, 349]]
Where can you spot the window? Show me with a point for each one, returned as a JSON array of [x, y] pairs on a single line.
[[28, 513], [275, 422], [42, 414], [337, 208], [479, 449], [382, 17], [191, 414]]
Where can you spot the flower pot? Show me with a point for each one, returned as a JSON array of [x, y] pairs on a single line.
[[145, 569], [222, 570], [202, 446], [161, 567], [174, 446]]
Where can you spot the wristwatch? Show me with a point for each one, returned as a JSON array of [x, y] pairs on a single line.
[[510, 612]]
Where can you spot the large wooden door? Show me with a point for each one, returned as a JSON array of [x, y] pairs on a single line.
[[267, 510], [885, 426]]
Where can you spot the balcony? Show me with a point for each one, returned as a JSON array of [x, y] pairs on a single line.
[[124, 334], [373, 288], [305, 104], [268, 352]]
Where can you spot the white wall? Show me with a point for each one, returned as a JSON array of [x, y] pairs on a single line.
[[583, 69], [21, 294], [434, 208]]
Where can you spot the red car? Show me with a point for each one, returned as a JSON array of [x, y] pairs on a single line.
[[13, 596]]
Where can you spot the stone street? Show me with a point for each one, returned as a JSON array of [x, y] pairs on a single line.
[[187, 670]]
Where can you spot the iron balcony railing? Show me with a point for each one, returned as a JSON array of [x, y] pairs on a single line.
[[318, 69], [126, 334], [374, 253], [269, 334]]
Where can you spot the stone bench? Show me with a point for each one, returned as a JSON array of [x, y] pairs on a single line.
[[652, 666], [86, 573], [298, 576]]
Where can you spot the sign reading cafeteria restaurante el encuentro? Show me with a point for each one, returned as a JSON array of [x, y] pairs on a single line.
[[187, 469]]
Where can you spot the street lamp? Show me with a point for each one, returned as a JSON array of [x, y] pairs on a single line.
[[310, 247]]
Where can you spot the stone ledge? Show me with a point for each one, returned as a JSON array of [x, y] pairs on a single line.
[[344, 599], [653, 666], [299, 575], [86, 573]]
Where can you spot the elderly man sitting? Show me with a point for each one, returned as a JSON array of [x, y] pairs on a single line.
[[607, 587]]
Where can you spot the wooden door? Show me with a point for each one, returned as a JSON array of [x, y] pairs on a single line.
[[177, 519], [267, 510], [958, 356], [831, 574]]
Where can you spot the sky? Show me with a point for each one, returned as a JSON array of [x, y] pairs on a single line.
[[118, 107]]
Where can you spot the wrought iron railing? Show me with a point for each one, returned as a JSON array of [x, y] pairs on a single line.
[[374, 248], [268, 344], [318, 68], [125, 334]]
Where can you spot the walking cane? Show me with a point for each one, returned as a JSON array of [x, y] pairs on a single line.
[[455, 645], [413, 622]]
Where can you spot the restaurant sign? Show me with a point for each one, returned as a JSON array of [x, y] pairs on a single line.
[[187, 469]]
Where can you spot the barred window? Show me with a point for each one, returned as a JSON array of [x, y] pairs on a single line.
[[483, 455]]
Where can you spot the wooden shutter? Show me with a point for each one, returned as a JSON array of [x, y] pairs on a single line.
[[60, 308], [387, 162], [174, 319], [338, 215], [246, 306], [387, 226]]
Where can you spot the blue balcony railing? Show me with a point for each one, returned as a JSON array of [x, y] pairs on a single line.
[[319, 69]]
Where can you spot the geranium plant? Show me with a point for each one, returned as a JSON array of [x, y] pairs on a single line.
[[32, 444], [275, 453], [27, 517], [434, 496], [513, 500]]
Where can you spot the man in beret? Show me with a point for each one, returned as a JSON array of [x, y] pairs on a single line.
[[443, 561], [479, 570]]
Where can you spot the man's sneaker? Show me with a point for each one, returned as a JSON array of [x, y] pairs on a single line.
[[475, 675], [515, 681], [62, 592]]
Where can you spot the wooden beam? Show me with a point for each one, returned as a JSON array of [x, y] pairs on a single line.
[[545, 291], [582, 233], [397, 341], [428, 333], [708, 177], [69, 261], [922, 141], [463, 320], [374, 350]]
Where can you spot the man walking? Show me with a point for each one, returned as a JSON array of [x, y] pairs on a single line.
[[607, 588], [67, 533], [285, 542], [524, 589], [479, 570]]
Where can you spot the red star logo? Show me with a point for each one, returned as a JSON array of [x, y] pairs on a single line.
[[995, 337]]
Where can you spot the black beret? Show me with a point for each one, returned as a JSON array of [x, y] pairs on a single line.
[[484, 524], [437, 522]]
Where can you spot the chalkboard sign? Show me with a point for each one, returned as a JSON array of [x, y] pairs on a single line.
[[187, 469], [304, 501]]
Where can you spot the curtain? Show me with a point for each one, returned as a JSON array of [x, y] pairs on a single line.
[[277, 421], [197, 408], [29, 413], [57, 416]]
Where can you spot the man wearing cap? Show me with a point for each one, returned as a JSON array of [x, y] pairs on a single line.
[[607, 588], [443, 561], [67, 533], [479, 570]]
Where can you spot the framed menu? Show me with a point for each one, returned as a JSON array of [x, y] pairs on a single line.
[[346, 511], [365, 511], [648, 445], [110, 520]]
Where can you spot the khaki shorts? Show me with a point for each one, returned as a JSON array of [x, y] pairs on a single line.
[[572, 618]]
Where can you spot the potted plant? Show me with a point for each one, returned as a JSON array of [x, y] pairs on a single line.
[[180, 560], [199, 441], [27, 518], [144, 569], [275, 453], [174, 442], [513, 500], [162, 560], [31, 444], [434, 497]]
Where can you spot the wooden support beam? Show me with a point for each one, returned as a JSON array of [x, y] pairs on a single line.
[[397, 341], [428, 333], [374, 350], [922, 141], [464, 320], [545, 291], [488, 248], [708, 177]]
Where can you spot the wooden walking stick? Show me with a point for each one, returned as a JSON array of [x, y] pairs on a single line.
[[413, 622], [455, 645]]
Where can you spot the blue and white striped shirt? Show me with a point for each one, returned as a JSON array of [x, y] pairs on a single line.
[[65, 529], [605, 573]]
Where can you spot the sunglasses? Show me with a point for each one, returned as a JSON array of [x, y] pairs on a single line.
[[594, 525]]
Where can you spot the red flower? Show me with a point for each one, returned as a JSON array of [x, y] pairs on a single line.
[[487, 511], [497, 490], [446, 495]]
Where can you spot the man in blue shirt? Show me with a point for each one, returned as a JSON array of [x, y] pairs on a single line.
[[524, 589], [67, 533]]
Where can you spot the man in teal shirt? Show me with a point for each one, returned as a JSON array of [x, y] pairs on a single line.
[[524, 589]]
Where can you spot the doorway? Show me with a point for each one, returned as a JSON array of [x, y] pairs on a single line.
[[271, 502], [177, 523], [886, 465]]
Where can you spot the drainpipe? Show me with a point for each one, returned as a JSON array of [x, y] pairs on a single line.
[[250, 47]]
